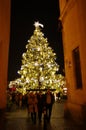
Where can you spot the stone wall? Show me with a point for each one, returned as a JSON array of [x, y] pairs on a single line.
[[5, 7]]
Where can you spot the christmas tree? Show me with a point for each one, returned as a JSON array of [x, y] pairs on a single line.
[[39, 68]]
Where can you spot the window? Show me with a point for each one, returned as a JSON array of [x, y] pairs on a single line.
[[77, 68]]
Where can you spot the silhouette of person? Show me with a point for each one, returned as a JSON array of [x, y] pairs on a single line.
[[40, 105], [49, 100]]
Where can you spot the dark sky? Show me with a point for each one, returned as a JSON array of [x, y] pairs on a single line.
[[23, 15]]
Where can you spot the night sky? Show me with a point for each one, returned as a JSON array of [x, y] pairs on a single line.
[[23, 15]]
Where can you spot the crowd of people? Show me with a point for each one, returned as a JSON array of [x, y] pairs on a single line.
[[40, 103], [37, 103]]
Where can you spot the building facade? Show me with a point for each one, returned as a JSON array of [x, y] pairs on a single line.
[[4, 48], [73, 19]]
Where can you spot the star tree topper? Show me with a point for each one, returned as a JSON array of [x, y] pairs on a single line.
[[37, 24]]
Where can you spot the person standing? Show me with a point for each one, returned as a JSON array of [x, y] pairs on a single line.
[[40, 105], [49, 100], [32, 106]]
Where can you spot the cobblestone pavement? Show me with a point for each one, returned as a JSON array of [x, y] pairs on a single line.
[[18, 119]]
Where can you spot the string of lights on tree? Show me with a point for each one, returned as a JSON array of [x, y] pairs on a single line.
[[39, 68]]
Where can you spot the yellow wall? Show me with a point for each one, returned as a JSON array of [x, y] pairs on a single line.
[[4, 48], [73, 19]]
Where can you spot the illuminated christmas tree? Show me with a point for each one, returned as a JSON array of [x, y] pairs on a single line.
[[39, 67]]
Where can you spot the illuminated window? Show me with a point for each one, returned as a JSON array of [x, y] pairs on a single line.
[[77, 68]]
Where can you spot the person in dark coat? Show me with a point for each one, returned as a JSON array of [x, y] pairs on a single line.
[[40, 105], [49, 100]]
